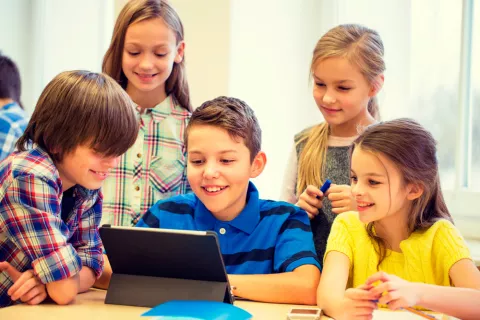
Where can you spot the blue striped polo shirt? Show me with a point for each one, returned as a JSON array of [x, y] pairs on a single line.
[[266, 237]]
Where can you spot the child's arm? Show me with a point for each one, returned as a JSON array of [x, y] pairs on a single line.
[[332, 297], [298, 286], [458, 302], [30, 219], [104, 280]]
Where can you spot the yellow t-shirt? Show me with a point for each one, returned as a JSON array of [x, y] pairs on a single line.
[[426, 256]]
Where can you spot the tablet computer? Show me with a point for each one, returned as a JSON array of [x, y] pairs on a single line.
[[151, 266]]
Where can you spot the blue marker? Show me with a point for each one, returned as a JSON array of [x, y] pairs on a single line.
[[325, 186]]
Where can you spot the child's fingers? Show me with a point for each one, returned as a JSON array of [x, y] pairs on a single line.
[[311, 210], [379, 276], [19, 282], [38, 299], [25, 288], [12, 272], [35, 291], [313, 192]]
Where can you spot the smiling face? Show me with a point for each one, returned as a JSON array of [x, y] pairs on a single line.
[[85, 167], [378, 187], [149, 52], [342, 94], [219, 169]]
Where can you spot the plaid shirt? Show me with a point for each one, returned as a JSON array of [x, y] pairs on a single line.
[[152, 169], [13, 122], [32, 232]]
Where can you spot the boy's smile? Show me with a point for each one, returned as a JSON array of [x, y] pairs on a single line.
[[219, 169]]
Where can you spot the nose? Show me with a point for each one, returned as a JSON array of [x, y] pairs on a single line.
[[210, 172], [328, 97], [357, 189], [146, 62]]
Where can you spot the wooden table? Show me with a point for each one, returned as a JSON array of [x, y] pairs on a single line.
[[91, 306]]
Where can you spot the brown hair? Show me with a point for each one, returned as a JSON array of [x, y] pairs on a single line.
[[10, 81], [139, 10], [413, 150], [233, 115], [362, 47], [78, 108]]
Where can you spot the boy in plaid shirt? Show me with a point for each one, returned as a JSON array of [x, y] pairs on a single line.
[[50, 202]]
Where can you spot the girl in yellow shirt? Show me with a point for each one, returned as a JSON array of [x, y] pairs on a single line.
[[402, 227]]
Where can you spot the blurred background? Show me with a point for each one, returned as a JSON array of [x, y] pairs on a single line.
[[260, 51]]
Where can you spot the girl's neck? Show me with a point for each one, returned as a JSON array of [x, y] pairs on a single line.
[[147, 100], [350, 128], [393, 229]]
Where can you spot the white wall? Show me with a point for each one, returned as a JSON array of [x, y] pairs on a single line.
[[15, 26], [46, 37], [272, 43]]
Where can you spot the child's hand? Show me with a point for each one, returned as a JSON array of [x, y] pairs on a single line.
[[341, 197], [358, 303], [27, 287], [394, 291], [311, 201]]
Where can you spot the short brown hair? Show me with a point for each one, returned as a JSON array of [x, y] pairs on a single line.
[[136, 11], [78, 108], [233, 115]]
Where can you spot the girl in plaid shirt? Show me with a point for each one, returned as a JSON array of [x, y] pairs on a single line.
[[146, 56], [50, 202]]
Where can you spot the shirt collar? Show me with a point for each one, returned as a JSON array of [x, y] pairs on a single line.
[[246, 221]]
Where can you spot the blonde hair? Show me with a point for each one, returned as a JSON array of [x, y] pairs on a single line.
[[82, 108], [139, 10], [363, 48]]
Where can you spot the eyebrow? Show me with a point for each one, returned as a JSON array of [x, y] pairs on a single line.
[[338, 81], [221, 152], [370, 174], [161, 45]]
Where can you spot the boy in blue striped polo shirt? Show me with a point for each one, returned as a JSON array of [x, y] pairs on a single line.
[[267, 246]]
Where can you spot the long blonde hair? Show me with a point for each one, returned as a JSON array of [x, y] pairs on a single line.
[[363, 48], [139, 10]]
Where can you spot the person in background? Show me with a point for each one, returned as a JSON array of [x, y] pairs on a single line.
[[13, 119], [347, 70], [147, 58]]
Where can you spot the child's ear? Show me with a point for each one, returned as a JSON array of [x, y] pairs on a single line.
[[415, 190], [376, 85], [258, 164], [180, 52]]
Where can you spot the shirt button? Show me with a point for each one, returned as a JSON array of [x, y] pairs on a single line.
[[139, 155], [137, 188], [222, 231]]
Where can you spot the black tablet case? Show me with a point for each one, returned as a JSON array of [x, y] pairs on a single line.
[[152, 266]]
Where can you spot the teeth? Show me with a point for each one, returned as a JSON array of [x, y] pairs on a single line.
[[214, 189]]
